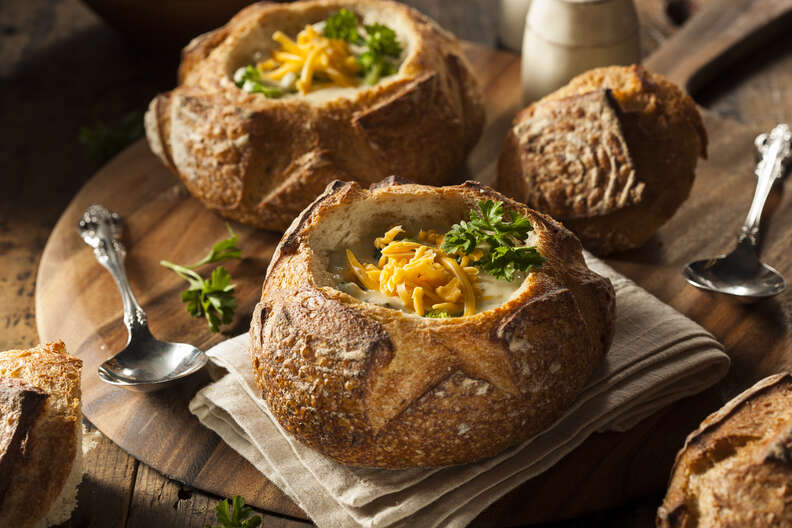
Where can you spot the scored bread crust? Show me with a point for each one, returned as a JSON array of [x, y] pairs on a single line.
[[372, 386], [261, 161], [52, 443], [736, 468], [581, 158]]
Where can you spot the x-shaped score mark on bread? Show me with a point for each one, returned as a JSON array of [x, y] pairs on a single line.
[[369, 384]]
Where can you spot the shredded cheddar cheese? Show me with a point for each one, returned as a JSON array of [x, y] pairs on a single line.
[[311, 55], [420, 274]]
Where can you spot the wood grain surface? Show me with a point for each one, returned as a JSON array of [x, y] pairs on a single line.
[[721, 33], [101, 78], [77, 301]]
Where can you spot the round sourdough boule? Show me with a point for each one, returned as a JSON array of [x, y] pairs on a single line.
[[735, 470], [612, 155], [373, 386], [261, 161]]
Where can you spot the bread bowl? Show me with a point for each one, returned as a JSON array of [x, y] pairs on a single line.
[[736, 467], [612, 155], [373, 383], [40, 435], [260, 160]]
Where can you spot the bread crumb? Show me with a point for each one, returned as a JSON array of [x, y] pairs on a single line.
[[90, 439]]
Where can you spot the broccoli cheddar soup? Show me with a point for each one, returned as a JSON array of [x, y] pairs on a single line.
[[477, 265]]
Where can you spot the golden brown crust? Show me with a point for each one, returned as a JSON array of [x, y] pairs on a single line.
[[568, 178], [735, 470], [371, 386], [52, 443], [260, 161]]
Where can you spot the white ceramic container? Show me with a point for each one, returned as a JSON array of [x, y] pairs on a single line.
[[566, 37]]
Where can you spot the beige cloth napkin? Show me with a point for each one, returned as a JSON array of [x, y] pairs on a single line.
[[658, 356]]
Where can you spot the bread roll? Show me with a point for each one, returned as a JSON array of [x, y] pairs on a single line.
[[369, 384], [260, 161], [736, 468], [40, 435], [612, 155]]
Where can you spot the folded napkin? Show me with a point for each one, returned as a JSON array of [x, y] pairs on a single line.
[[658, 356]]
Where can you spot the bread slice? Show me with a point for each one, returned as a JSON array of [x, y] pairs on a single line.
[[736, 468], [21, 404], [40, 489]]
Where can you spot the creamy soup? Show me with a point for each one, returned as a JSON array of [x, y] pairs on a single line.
[[491, 291], [494, 292], [336, 56]]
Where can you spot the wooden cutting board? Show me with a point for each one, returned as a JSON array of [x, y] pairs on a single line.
[[77, 301]]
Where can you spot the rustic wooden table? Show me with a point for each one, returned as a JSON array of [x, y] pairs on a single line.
[[62, 68]]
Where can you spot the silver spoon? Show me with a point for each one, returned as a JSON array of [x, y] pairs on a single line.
[[741, 273], [145, 364]]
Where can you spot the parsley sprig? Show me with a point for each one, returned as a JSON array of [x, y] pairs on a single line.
[[212, 298], [236, 515], [380, 42], [102, 141], [500, 235]]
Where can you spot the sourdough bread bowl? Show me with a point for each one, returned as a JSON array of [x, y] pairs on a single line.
[[371, 383], [612, 155], [40, 435], [261, 160], [736, 468]]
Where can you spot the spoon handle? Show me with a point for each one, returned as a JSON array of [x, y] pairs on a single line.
[[775, 153], [101, 229]]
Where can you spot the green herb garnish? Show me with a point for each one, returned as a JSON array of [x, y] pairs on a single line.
[[226, 249], [212, 298], [382, 44], [236, 515], [102, 141], [249, 79], [380, 41], [439, 314], [500, 235], [343, 25]]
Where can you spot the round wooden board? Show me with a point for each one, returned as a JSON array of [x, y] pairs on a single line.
[[77, 301]]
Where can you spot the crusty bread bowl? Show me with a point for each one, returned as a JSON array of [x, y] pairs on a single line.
[[373, 386], [40, 435], [261, 161], [736, 468], [612, 155]]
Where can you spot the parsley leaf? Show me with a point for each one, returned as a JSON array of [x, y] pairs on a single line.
[[248, 78], [235, 516], [342, 25], [212, 298], [499, 235], [224, 250], [103, 141], [505, 261]]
